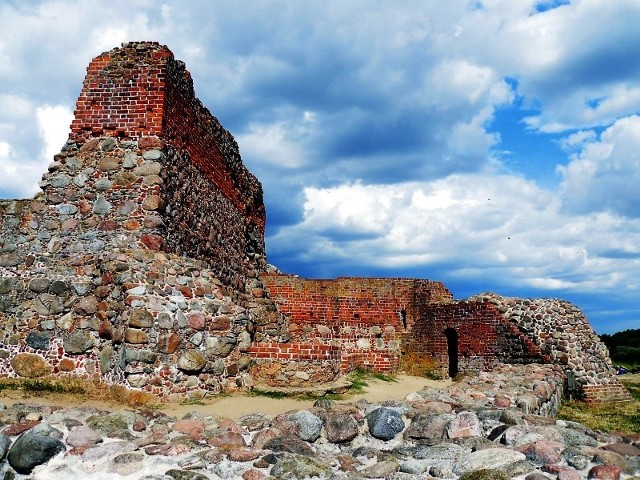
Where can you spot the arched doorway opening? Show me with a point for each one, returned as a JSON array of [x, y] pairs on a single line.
[[452, 350]]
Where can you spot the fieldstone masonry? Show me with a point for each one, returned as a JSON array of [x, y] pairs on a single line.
[[142, 262]]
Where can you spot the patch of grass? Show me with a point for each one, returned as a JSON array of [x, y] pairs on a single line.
[[43, 385], [192, 401], [628, 365], [619, 417], [632, 382], [84, 388], [311, 397], [383, 377], [360, 378]]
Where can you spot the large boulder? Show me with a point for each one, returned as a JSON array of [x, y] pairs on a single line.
[[384, 423], [498, 458], [340, 427], [33, 449], [289, 444], [308, 425], [300, 467], [29, 365]]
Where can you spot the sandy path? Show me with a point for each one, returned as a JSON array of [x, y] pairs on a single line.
[[234, 406]]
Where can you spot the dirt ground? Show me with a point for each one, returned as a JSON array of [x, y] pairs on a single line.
[[234, 406]]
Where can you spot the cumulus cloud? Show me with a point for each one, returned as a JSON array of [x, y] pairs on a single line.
[[28, 144], [53, 125], [604, 175], [499, 226]]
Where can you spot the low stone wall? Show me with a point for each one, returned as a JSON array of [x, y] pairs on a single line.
[[294, 364], [154, 321], [534, 388], [613, 391]]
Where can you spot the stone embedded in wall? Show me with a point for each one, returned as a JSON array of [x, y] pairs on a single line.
[[78, 342], [28, 365], [38, 340], [192, 361]]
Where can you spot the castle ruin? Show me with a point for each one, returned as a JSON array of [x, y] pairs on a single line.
[[142, 262]]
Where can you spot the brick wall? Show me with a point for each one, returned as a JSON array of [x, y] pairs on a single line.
[[365, 318], [608, 392], [482, 336], [123, 93]]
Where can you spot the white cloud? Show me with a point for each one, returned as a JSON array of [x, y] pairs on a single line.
[[471, 138], [53, 123], [578, 139], [280, 143], [12, 173], [460, 80], [498, 226], [605, 174]]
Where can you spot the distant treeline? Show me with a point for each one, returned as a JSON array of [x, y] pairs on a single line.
[[624, 346]]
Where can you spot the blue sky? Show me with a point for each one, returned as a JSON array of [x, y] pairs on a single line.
[[492, 145]]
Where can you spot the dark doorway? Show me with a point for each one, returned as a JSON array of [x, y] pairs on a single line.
[[452, 350]]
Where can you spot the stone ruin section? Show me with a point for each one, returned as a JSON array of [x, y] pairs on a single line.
[[94, 275], [342, 324], [372, 323], [469, 337], [142, 262], [563, 335], [487, 330], [211, 206]]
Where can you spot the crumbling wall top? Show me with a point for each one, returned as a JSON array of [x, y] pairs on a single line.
[[123, 93], [141, 90]]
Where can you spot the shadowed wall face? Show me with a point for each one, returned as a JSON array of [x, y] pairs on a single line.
[[213, 206]]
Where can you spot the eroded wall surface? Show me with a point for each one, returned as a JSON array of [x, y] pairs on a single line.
[[360, 321]]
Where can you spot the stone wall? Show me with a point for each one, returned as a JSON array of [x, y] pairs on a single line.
[[372, 322], [141, 90], [564, 337], [142, 262], [469, 337], [82, 293]]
